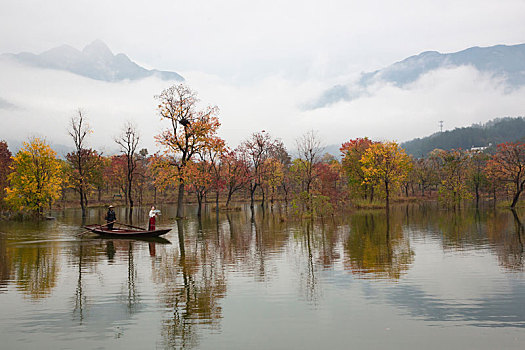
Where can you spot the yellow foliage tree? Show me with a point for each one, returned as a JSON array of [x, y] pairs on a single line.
[[386, 163], [36, 178]]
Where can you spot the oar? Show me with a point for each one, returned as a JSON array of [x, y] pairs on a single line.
[[140, 228], [84, 232]]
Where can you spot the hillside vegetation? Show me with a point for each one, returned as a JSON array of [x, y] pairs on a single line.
[[493, 132]]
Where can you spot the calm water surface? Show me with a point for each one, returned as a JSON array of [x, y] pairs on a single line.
[[423, 278]]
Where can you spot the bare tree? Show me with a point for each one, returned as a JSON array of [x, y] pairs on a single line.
[[78, 131], [310, 150], [128, 141]]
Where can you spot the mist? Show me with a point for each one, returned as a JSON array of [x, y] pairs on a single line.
[[41, 102]]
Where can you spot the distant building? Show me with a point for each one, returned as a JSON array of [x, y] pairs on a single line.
[[480, 148]]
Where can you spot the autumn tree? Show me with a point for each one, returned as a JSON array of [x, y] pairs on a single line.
[[236, 172], [257, 150], [426, 174], [189, 132], [352, 152], [115, 174], [453, 175], [508, 166], [280, 154], [309, 150], [36, 178], [476, 175], [128, 141], [142, 178], [199, 178], [386, 163], [83, 172], [329, 177], [5, 170], [212, 153]]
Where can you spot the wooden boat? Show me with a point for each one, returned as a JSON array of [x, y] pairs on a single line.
[[148, 239], [127, 231]]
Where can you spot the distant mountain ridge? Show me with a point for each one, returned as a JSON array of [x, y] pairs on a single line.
[[503, 61], [496, 131], [95, 61]]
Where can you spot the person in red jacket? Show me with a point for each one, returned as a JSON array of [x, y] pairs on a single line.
[[152, 216]]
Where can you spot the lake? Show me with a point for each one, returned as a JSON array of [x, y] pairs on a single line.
[[421, 278]]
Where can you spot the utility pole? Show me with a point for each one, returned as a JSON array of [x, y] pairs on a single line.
[[440, 126]]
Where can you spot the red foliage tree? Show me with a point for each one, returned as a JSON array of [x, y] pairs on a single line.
[[5, 170], [508, 165]]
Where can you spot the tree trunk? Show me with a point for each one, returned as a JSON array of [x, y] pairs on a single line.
[[199, 200], [387, 193], [228, 199], [82, 203], [252, 193], [477, 195], [515, 199], [217, 203], [180, 199], [85, 200], [129, 194]]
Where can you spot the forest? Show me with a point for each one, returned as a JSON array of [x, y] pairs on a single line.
[[196, 165], [488, 135]]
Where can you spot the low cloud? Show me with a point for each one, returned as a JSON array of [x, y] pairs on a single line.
[[47, 99]]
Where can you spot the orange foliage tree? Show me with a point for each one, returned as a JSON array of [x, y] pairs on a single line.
[[189, 132], [213, 153], [236, 172], [508, 165]]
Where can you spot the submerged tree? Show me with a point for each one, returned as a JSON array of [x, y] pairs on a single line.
[[476, 176], [36, 178], [257, 150], [128, 141], [352, 152], [80, 158], [386, 163], [189, 132], [453, 174], [310, 150], [236, 172], [5, 170], [508, 165]]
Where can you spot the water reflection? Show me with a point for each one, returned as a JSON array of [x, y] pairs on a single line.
[[435, 266], [377, 246], [192, 282]]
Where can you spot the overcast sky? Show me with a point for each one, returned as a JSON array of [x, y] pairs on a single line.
[[255, 58]]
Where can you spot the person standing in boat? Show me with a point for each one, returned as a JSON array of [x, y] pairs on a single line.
[[111, 217], [152, 216]]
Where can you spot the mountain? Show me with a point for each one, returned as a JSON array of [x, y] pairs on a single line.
[[477, 135], [95, 61], [502, 61]]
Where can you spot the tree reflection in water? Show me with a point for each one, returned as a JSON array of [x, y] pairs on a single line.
[[191, 278], [377, 247], [192, 282]]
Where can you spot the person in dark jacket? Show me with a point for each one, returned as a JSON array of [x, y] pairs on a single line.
[[111, 217]]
